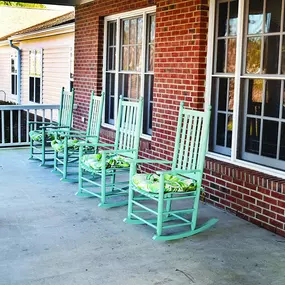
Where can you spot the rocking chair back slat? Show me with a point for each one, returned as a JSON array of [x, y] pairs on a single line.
[[129, 125], [66, 108], [190, 144], [95, 115]]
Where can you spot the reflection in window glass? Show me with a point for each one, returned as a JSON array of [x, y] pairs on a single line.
[[269, 139], [252, 135], [255, 17], [272, 98], [223, 14], [273, 16], [231, 56], [270, 58], [253, 55], [233, 18], [255, 93], [221, 56]]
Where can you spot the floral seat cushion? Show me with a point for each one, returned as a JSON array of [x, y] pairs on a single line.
[[36, 135], [172, 183], [93, 162], [58, 145]]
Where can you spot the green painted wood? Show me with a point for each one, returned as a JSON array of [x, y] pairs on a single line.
[[40, 150], [188, 161], [127, 137], [63, 162]]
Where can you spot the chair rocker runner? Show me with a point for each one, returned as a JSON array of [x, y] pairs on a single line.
[[42, 133], [168, 200], [102, 174], [66, 147]]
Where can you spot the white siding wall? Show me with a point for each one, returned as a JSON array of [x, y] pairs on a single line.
[[56, 70], [5, 74], [56, 53], [25, 77]]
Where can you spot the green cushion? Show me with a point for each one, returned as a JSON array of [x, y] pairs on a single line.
[[58, 145], [36, 135], [93, 162], [150, 183]]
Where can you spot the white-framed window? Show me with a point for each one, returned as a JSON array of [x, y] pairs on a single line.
[[247, 81], [35, 76], [128, 62], [71, 69], [14, 73]]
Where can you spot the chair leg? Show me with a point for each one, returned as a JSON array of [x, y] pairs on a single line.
[[103, 185], [160, 207], [195, 210], [65, 158], [43, 149], [54, 162], [31, 149]]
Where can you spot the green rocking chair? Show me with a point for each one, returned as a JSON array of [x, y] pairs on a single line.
[[42, 133], [111, 165], [66, 146], [163, 200]]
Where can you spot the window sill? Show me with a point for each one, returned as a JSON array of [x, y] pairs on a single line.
[[248, 165]]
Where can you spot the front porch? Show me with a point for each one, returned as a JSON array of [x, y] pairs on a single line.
[[50, 236]]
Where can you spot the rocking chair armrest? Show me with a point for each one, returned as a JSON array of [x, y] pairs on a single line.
[[82, 144], [177, 171], [41, 123], [55, 127], [117, 151], [151, 161], [73, 133]]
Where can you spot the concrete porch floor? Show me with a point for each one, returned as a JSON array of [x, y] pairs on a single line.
[[48, 236]]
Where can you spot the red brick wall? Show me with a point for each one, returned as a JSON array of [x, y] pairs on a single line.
[[251, 195], [180, 62], [180, 73]]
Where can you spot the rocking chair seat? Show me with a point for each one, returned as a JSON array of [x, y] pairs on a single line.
[[36, 135], [93, 162], [58, 145], [172, 183]]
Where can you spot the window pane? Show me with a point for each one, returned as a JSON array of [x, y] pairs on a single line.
[[139, 32], [231, 95], [229, 130], [253, 55], [31, 88], [255, 17], [272, 98], [221, 130], [271, 54], [132, 58], [273, 15], [133, 31], [14, 84], [38, 90], [283, 107], [223, 90], [282, 143], [255, 91], [231, 56], [223, 15], [126, 32], [252, 135], [221, 56], [152, 29], [125, 58], [110, 89], [269, 139], [233, 18], [139, 58], [151, 58], [111, 33], [148, 105], [283, 56]]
